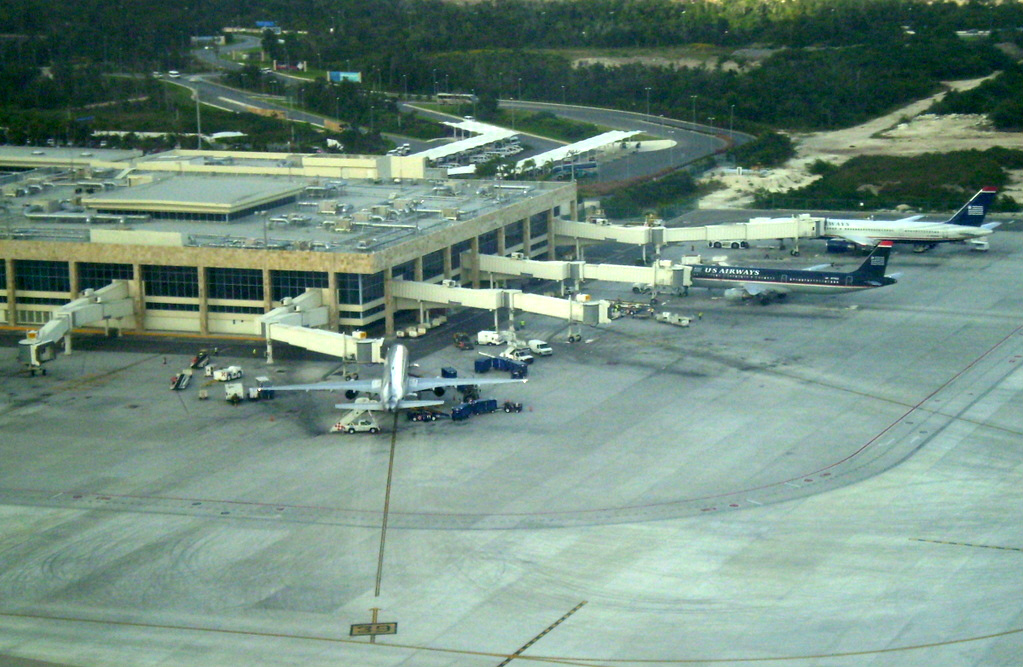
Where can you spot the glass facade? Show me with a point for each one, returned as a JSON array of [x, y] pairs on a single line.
[[37, 275], [179, 281], [238, 284], [513, 235], [95, 276], [488, 243], [456, 253], [537, 225], [406, 270], [433, 264], [294, 283], [355, 289]]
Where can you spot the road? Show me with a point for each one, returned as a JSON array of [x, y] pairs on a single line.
[[691, 141]]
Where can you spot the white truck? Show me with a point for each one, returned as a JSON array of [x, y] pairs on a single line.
[[234, 392], [489, 338], [540, 347], [518, 354], [227, 374], [672, 318]]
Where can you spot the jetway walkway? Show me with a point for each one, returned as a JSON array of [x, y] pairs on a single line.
[[293, 321], [733, 235], [112, 302], [662, 274], [411, 295]]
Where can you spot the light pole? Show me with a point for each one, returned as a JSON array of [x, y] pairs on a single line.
[[520, 88], [731, 120], [694, 109], [562, 95], [435, 83], [647, 89]]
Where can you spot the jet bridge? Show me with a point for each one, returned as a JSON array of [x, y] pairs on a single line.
[[410, 295], [102, 305], [734, 235], [662, 274], [292, 323]]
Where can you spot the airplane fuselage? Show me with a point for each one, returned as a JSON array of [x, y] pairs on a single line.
[[394, 384], [810, 282], [902, 232]]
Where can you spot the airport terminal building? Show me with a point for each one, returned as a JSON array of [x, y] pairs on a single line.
[[209, 241]]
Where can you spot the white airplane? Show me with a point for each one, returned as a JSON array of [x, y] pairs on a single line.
[[967, 225], [393, 386]]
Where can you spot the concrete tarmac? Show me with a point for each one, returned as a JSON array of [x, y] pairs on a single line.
[[823, 481]]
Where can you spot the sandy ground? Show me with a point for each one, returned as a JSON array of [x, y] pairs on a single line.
[[906, 131]]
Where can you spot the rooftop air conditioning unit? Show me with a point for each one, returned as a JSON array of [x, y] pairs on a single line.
[[518, 255]]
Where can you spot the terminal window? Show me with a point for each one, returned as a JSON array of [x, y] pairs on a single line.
[[294, 283], [456, 253], [359, 288], [35, 275], [488, 243], [181, 281], [240, 284], [94, 276], [433, 264]]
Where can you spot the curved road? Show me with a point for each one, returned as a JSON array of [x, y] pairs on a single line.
[[691, 141]]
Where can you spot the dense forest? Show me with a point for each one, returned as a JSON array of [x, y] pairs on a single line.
[[757, 65], [831, 63]]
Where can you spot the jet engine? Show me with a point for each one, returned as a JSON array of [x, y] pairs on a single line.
[[438, 391], [350, 394], [840, 245]]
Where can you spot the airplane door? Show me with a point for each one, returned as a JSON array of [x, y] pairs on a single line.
[[784, 278], [848, 280]]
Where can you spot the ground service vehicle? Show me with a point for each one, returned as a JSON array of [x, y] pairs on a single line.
[[227, 374], [540, 347], [489, 338], [518, 354]]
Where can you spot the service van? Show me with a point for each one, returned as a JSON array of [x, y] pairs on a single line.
[[540, 347]]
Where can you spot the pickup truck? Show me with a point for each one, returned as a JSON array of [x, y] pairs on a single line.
[[518, 354]]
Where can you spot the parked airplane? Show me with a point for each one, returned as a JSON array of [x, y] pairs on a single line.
[[744, 282], [393, 386], [967, 225]]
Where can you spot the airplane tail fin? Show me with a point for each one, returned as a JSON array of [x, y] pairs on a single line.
[[973, 212], [873, 267]]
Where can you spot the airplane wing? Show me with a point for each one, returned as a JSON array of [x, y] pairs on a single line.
[[377, 406], [422, 384], [354, 385], [757, 289], [859, 239]]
